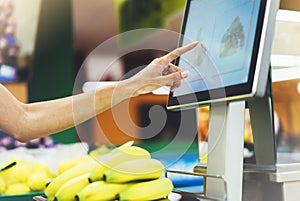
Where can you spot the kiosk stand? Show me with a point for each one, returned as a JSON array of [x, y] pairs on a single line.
[[225, 130], [223, 172], [225, 175], [225, 144], [269, 178]]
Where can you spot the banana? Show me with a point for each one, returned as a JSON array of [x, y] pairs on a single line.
[[40, 168], [99, 151], [68, 164], [116, 157], [68, 191], [37, 181], [2, 184], [17, 188], [134, 170], [126, 144], [100, 190], [18, 173], [108, 151], [147, 190], [76, 171]]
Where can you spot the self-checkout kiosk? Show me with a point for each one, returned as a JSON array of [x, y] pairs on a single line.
[[230, 71]]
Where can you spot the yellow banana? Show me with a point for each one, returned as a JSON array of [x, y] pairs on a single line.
[[147, 190], [2, 184], [134, 170], [99, 151], [17, 188], [68, 164], [38, 167], [68, 191], [18, 173], [126, 144], [100, 190], [76, 171], [116, 157], [37, 181]]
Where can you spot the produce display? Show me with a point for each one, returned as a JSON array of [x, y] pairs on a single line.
[[23, 176], [127, 172]]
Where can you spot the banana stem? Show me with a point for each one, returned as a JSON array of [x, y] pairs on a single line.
[[8, 166]]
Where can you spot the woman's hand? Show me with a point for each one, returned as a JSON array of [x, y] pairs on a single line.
[[161, 72]]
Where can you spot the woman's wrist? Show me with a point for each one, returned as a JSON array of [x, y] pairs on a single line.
[[129, 88]]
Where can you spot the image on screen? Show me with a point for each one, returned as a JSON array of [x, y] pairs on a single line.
[[226, 31]]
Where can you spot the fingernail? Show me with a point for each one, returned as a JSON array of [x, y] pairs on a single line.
[[185, 74]]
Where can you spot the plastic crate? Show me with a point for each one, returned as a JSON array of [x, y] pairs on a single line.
[[20, 197]]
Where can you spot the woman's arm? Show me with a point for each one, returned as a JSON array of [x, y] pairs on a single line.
[[28, 121]]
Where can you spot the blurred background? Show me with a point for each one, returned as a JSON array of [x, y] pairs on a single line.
[[65, 35], [66, 32]]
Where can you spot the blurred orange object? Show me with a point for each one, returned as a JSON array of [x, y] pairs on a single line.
[[203, 124]]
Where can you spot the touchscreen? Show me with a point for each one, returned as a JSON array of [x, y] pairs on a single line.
[[226, 32]]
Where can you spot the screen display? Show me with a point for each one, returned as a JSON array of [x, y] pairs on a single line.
[[228, 32]]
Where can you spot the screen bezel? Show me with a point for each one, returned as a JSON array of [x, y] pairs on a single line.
[[234, 92]]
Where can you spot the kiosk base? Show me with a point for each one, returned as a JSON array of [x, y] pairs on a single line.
[[262, 185], [280, 185]]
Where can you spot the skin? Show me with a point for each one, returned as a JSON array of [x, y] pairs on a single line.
[[33, 120]]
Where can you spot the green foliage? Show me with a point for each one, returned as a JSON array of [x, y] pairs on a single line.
[[137, 14]]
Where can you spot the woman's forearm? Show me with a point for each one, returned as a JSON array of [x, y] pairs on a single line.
[[47, 117], [29, 121]]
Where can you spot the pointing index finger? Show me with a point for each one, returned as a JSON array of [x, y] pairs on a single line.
[[179, 51]]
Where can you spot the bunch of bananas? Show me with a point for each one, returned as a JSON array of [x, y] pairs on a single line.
[[124, 173], [23, 176]]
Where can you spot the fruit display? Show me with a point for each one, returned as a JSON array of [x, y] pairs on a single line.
[[57, 182], [69, 189], [125, 173], [23, 176]]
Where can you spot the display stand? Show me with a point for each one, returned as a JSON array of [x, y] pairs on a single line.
[[223, 172], [262, 124], [226, 146], [269, 178], [226, 140], [225, 150], [226, 177]]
